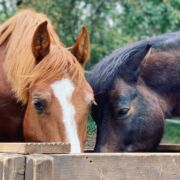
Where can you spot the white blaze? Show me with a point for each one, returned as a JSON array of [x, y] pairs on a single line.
[[63, 90]]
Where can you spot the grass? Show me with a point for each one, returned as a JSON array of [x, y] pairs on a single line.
[[91, 126], [171, 133]]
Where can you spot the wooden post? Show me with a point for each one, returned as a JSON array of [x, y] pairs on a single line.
[[12, 166], [39, 167]]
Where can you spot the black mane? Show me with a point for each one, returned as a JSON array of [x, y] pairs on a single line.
[[103, 74]]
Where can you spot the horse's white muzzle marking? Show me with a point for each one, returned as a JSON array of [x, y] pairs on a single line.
[[63, 90]]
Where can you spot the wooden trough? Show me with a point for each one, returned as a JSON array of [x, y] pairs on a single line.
[[87, 166]]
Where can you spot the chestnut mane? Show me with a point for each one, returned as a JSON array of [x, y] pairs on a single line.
[[20, 64]]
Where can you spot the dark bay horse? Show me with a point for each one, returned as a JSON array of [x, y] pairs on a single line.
[[44, 96], [135, 89]]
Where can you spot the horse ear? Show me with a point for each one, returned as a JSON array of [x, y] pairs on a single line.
[[131, 66], [81, 48], [41, 42]]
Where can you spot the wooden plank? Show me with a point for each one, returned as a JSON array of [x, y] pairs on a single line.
[[12, 166], [169, 148], [39, 167], [1, 169], [118, 166], [29, 148], [161, 148]]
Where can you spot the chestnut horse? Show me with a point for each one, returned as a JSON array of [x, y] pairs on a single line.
[[136, 88], [44, 96]]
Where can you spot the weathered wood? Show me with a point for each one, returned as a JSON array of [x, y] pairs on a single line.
[[1, 169], [169, 148], [39, 167], [29, 148], [118, 166], [95, 166], [161, 148], [12, 166]]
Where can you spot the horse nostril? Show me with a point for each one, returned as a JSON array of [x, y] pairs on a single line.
[[101, 148], [97, 148]]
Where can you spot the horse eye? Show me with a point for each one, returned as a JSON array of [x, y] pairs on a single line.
[[39, 105], [122, 112]]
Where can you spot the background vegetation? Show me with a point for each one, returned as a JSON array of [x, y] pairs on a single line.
[[111, 24]]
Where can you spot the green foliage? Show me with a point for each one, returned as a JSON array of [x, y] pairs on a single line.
[[172, 133], [69, 16], [111, 23], [146, 18], [91, 126]]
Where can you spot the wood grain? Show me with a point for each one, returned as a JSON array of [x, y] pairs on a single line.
[[118, 166], [169, 148], [91, 166], [29, 148], [39, 167], [12, 166]]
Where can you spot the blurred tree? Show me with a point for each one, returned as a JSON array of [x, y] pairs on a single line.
[[69, 16], [144, 18], [111, 23]]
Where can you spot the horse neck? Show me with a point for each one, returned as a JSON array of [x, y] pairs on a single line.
[[12, 113], [162, 75], [169, 102], [4, 85]]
